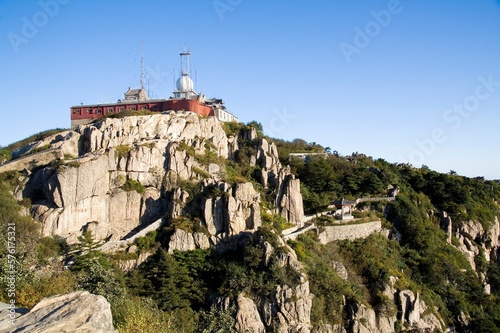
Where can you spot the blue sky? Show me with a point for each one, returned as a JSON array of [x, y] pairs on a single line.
[[407, 81]]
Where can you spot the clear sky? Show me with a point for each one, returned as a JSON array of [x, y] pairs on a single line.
[[408, 81]]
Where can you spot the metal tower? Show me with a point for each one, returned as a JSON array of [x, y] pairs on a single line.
[[143, 75], [185, 62]]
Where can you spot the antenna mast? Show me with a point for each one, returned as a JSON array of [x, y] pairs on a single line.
[[185, 62], [143, 75]]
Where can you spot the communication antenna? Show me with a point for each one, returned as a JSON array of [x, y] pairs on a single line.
[[143, 75], [185, 62]]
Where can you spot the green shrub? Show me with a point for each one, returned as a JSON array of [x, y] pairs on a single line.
[[149, 145], [124, 256], [5, 155], [25, 202], [40, 149], [133, 185], [132, 113], [215, 321], [122, 151], [232, 128], [73, 164], [50, 247], [187, 224], [147, 242], [69, 157], [201, 173], [183, 146], [137, 314]]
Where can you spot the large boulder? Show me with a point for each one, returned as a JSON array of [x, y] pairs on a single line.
[[247, 316], [184, 241], [289, 199], [78, 312]]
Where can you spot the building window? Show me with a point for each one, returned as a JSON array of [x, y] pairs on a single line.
[[99, 111], [75, 111], [155, 108], [121, 109], [144, 107], [89, 111], [132, 108], [110, 110]]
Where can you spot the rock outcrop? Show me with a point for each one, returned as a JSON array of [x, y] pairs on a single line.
[[79, 312], [289, 199], [289, 202], [403, 306], [288, 309], [247, 316], [184, 241], [120, 175], [473, 239], [120, 178]]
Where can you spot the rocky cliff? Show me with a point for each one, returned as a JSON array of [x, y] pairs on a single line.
[[121, 178], [477, 243], [120, 175]]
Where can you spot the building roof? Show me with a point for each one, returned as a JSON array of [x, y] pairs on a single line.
[[124, 102], [132, 92]]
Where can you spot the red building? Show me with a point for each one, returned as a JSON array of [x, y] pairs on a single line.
[[184, 98]]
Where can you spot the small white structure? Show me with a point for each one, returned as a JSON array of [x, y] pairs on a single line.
[[224, 115]]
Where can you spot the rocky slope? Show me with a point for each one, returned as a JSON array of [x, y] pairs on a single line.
[[123, 174], [476, 242], [121, 178]]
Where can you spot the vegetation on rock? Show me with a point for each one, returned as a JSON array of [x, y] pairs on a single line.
[[175, 291]]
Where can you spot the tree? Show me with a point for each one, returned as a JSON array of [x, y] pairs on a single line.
[[258, 127], [86, 253], [216, 321], [170, 283]]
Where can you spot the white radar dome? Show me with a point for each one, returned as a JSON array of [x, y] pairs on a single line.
[[184, 83]]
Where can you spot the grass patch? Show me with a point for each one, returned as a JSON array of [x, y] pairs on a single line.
[[149, 145], [201, 172], [133, 185], [40, 149], [206, 158], [69, 157], [5, 156], [127, 113], [35, 137], [189, 226], [122, 150], [123, 256], [73, 164]]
